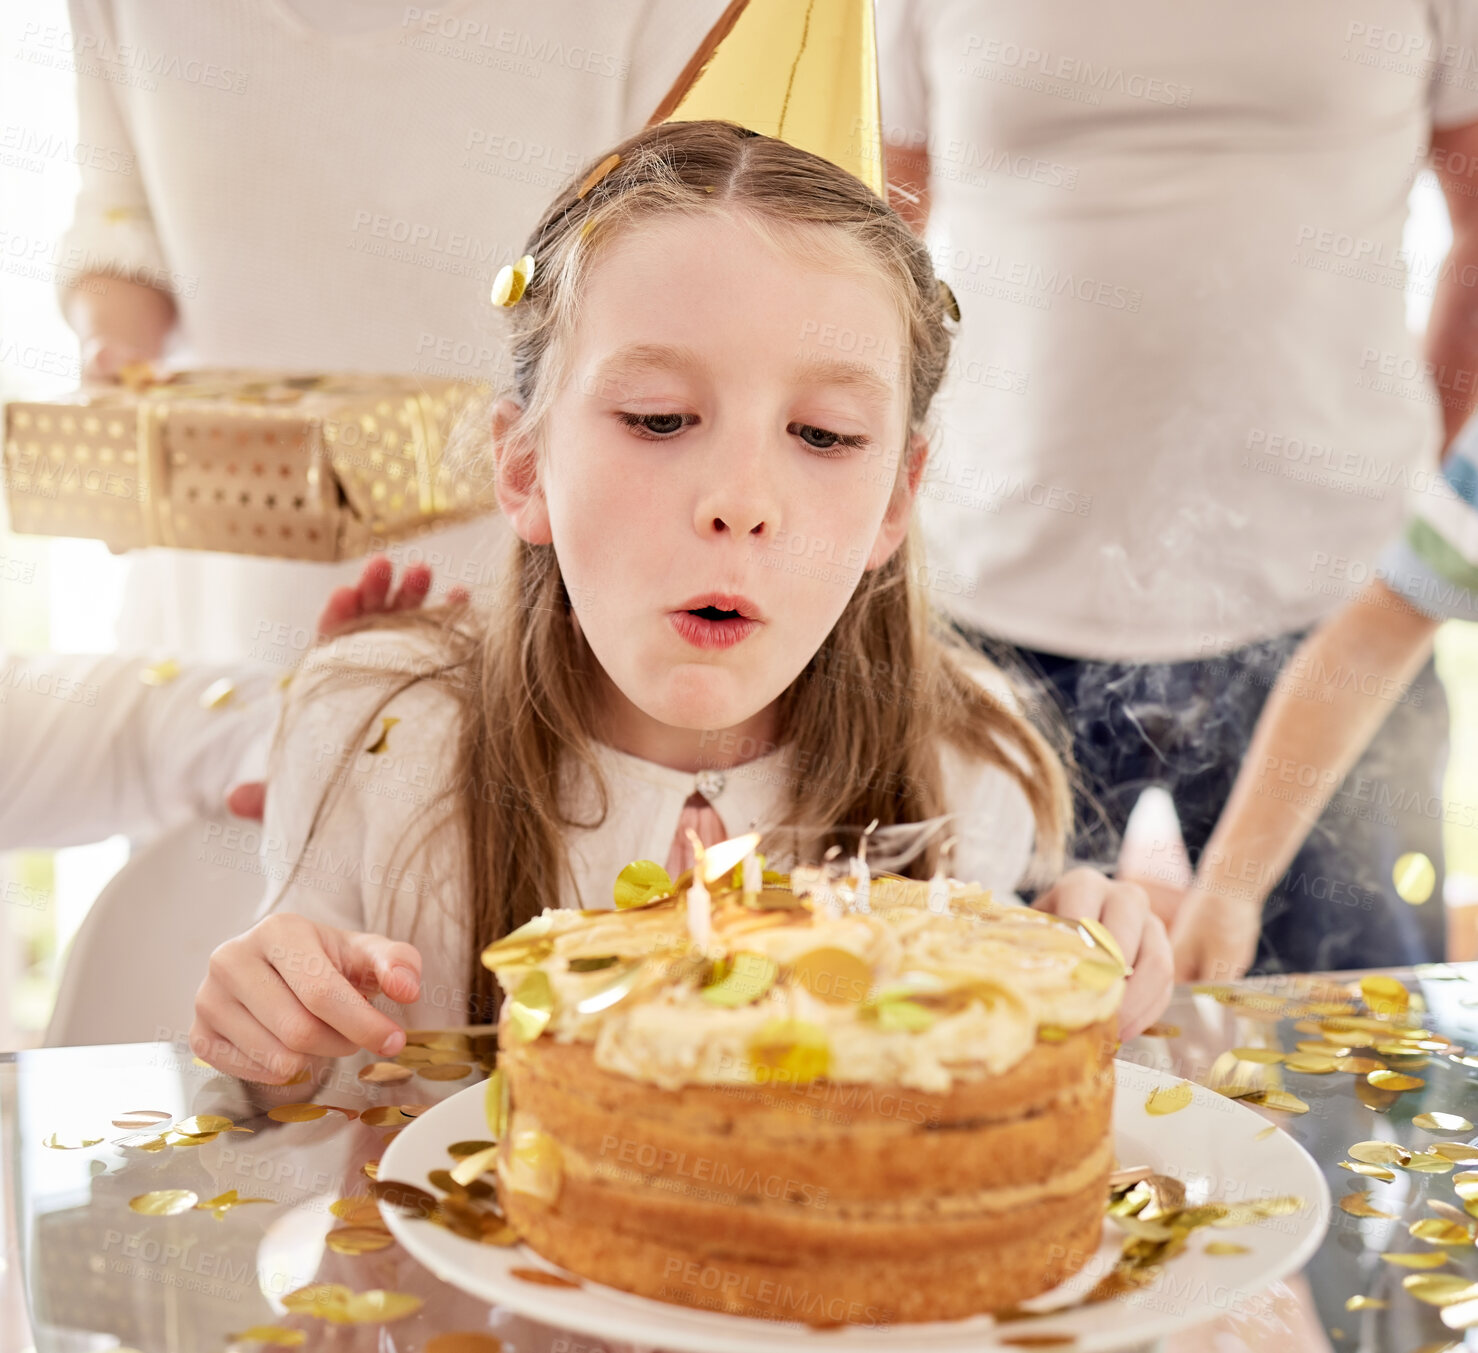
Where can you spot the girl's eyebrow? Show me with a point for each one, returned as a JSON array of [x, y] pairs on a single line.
[[812, 368]]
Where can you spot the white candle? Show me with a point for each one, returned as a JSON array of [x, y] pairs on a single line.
[[753, 878], [700, 908], [700, 915], [863, 891], [939, 884]]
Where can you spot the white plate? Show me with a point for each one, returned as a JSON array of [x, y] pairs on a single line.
[[1212, 1145]]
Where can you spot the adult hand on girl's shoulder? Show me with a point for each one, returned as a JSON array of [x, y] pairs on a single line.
[[290, 990], [373, 594], [1214, 936], [1124, 909]]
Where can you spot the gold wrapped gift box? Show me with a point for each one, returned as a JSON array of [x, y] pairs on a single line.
[[295, 466]]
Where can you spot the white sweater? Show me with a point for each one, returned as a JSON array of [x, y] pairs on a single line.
[[353, 876]]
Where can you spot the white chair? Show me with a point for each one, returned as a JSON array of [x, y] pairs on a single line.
[[131, 972]]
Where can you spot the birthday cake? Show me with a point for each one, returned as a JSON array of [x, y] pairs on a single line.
[[894, 1110]]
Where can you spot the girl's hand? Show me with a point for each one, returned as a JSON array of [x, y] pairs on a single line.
[[1214, 936], [289, 990], [1124, 909]]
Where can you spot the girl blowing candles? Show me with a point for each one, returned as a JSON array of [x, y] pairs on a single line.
[[723, 362]]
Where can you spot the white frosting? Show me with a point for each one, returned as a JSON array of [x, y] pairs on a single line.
[[1021, 964]]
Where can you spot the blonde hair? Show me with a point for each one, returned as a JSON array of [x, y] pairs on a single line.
[[867, 714]]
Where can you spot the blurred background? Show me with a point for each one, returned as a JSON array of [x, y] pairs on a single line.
[[65, 595]]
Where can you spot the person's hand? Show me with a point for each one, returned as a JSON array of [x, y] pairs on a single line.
[[1124, 910], [105, 359], [371, 595], [1214, 936], [290, 990]]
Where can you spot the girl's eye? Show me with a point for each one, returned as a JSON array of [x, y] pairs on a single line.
[[819, 439], [656, 425]]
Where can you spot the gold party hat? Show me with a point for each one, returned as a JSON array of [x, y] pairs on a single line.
[[803, 71]]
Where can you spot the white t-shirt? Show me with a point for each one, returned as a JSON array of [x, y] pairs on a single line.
[[321, 195], [1183, 382], [356, 873]]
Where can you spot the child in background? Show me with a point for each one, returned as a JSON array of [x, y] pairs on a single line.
[[724, 360], [1318, 721]]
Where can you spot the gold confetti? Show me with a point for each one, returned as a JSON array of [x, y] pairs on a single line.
[[1439, 1231], [1358, 1204], [381, 744], [1226, 1247], [398, 1196], [138, 1119], [1385, 995], [222, 1203], [531, 1006], [164, 1202], [358, 1209], [1360, 1066], [279, 1336], [1265, 1133], [534, 1165], [370, 1169], [1457, 1151], [1448, 1210], [204, 1124], [836, 976], [1414, 877], [359, 1239], [641, 882], [496, 1104], [1027, 1340], [1442, 1122], [1394, 1080], [1379, 1153], [1365, 1304], [947, 300], [1311, 1063], [57, 1144], [384, 1115], [470, 1167], [1460, 1316], [622, 983], [384, 1073], [1169, 1099], [1429, 1162], [1283, 1101], [159, 673], [1369, 1171], [218, 694], [543, 1277], [512, 281], [1426, 1259], [461, 1150], [1265, 1056], [1162, 1031], [791, 1051], [453, 1071], [747, 977], [297, 1113], [1440, 1289], [315, 1298]]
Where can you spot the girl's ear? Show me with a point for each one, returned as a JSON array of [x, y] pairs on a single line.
[[516, 477], [900, 507]]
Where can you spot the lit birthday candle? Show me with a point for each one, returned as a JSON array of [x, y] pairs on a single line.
[[700, 907]]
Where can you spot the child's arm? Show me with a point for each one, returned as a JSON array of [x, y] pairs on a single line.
[[345, 890], [1313, 728]]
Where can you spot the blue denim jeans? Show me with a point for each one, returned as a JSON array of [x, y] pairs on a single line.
[[1185, 726]]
